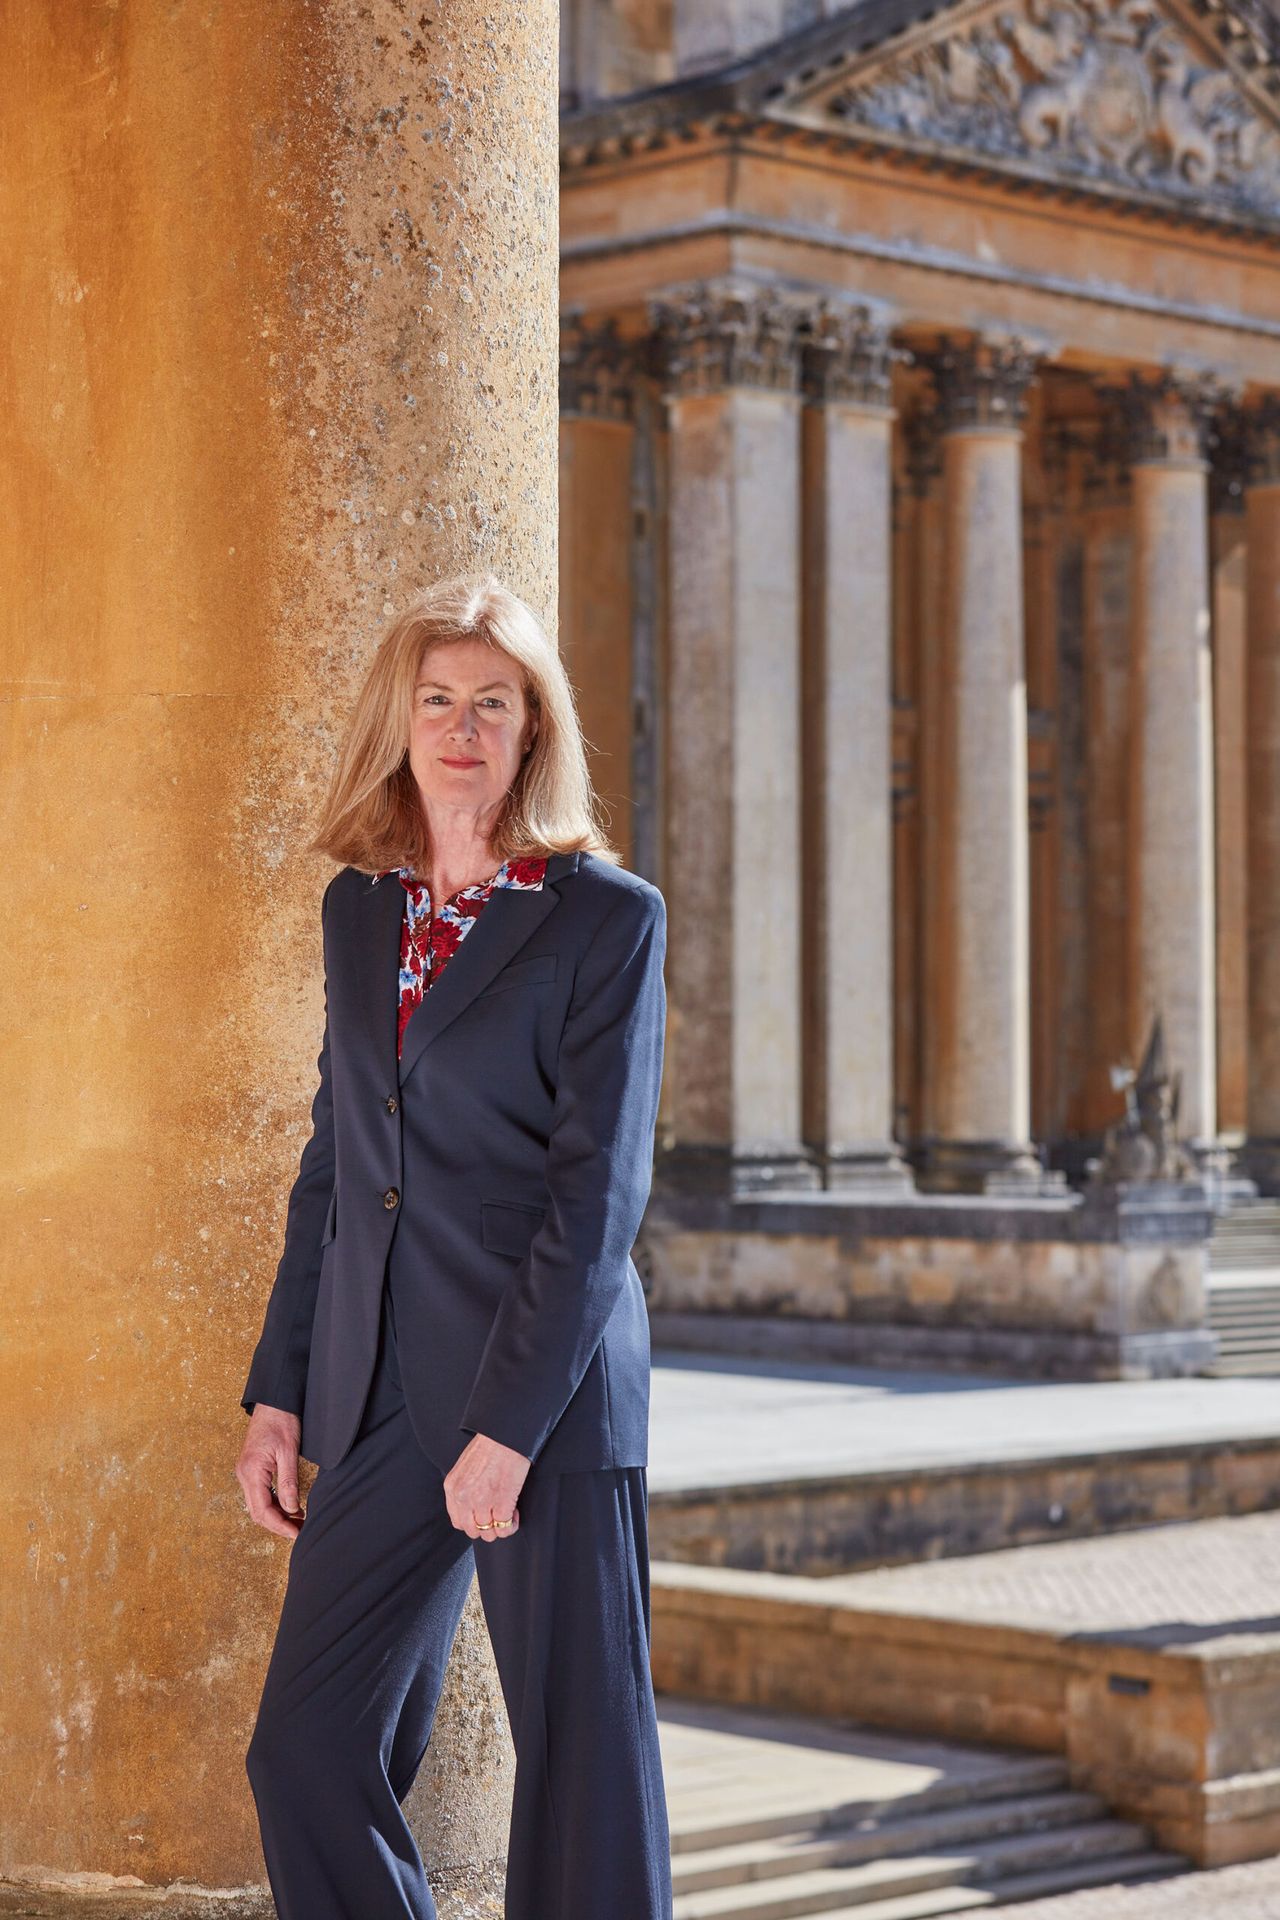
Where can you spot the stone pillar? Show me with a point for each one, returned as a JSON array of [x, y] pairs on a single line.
[[1171, 866], [847, 775], [1228, 548], [1262, 739], [282, 350], [919, 866], [1107, 517], [728, 362], [980, 1059], [597, 439]]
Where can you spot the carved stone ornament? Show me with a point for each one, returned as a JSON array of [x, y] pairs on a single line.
[[1260, 429], [1109, 91], [597, 368], [708, 337], [849, 355], [1145, 1145], [1168, 419], [980, 383]]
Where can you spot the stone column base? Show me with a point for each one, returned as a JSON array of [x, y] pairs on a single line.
[[873, 1171], [1258, 1161], [987, 1166], [718, 1171]]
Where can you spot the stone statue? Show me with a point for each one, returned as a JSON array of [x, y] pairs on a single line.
[[1144, 1145]]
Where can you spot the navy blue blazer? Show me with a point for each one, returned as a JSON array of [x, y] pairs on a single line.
[[495, 1176]]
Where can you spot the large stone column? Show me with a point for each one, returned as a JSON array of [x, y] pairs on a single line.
[[848, 487], [282, 326], [1171, 868], [1262, 759], [729, 365], [980, 1058]]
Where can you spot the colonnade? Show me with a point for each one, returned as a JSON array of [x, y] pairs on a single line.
[[778, 432]]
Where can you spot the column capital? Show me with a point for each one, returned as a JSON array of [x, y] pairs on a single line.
[[1229, 460], [981, 382], [1260, 427], [848, 354], [1167, 420], [715, 334], [598, 368]]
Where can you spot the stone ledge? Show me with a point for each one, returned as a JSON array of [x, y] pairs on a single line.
[[1183, 1736], [841, 1523], [1021, 1352]]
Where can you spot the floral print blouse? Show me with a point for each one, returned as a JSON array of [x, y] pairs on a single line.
[[428, 941]]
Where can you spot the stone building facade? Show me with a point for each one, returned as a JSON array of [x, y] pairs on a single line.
[[921, 555]]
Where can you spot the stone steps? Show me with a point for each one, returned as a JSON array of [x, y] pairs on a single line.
[[772, 1881], [775, 1815], [1246, 1320]]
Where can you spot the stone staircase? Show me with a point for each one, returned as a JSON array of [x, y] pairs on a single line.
[[1243, 1271], [773, 1815]]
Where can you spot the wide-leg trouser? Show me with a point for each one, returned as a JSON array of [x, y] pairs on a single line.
[[377, 1581]]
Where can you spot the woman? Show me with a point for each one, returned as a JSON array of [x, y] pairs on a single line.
[[457, 1336]]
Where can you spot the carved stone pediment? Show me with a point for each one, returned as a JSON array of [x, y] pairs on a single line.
[[1123, 95]]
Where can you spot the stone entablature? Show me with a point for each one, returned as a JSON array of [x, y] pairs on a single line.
[[1109, 91], [1170, 104]]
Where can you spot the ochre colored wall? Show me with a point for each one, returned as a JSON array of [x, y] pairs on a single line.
[[280, 314]]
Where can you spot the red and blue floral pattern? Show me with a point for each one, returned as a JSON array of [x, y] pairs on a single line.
[[429, 941]]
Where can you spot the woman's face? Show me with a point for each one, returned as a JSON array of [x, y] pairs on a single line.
[[471, 725]]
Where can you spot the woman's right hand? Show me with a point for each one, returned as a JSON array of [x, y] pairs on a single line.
[[270, 1452]]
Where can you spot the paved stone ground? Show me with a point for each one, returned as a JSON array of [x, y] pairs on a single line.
[[716, 1421], [1192, 1581], [1232, 1893]]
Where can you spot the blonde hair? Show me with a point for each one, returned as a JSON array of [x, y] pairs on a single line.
[[373, 817]]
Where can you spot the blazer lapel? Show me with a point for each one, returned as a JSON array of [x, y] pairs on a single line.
[[376, 962], [511, 915]]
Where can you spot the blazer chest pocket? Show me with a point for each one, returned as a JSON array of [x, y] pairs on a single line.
[[507, 1226], [330, 1220], [539, 967]]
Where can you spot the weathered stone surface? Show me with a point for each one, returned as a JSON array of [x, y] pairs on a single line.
[[283, 348]]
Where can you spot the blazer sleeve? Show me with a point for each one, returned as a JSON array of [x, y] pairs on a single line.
[[278, 1370], [599, 1172]]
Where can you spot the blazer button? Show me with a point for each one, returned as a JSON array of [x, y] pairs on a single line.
[[391, 1198], [392, 1103]]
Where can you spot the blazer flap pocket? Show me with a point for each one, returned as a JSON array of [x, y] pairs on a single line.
[[521, 973], [507, 1226], [330, 1220]]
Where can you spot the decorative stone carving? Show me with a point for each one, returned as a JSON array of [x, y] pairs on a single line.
[[980, 383], [848, 354], [1228, 460], [923, 462], [1260, 431], [1144, 1145], [711, 336], [597, 368], [1105, 90], [1169, 418]]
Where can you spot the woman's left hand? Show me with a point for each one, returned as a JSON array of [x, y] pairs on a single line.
[[484, 1484]]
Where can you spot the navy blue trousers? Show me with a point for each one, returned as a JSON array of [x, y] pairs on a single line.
[[377, 1581]]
